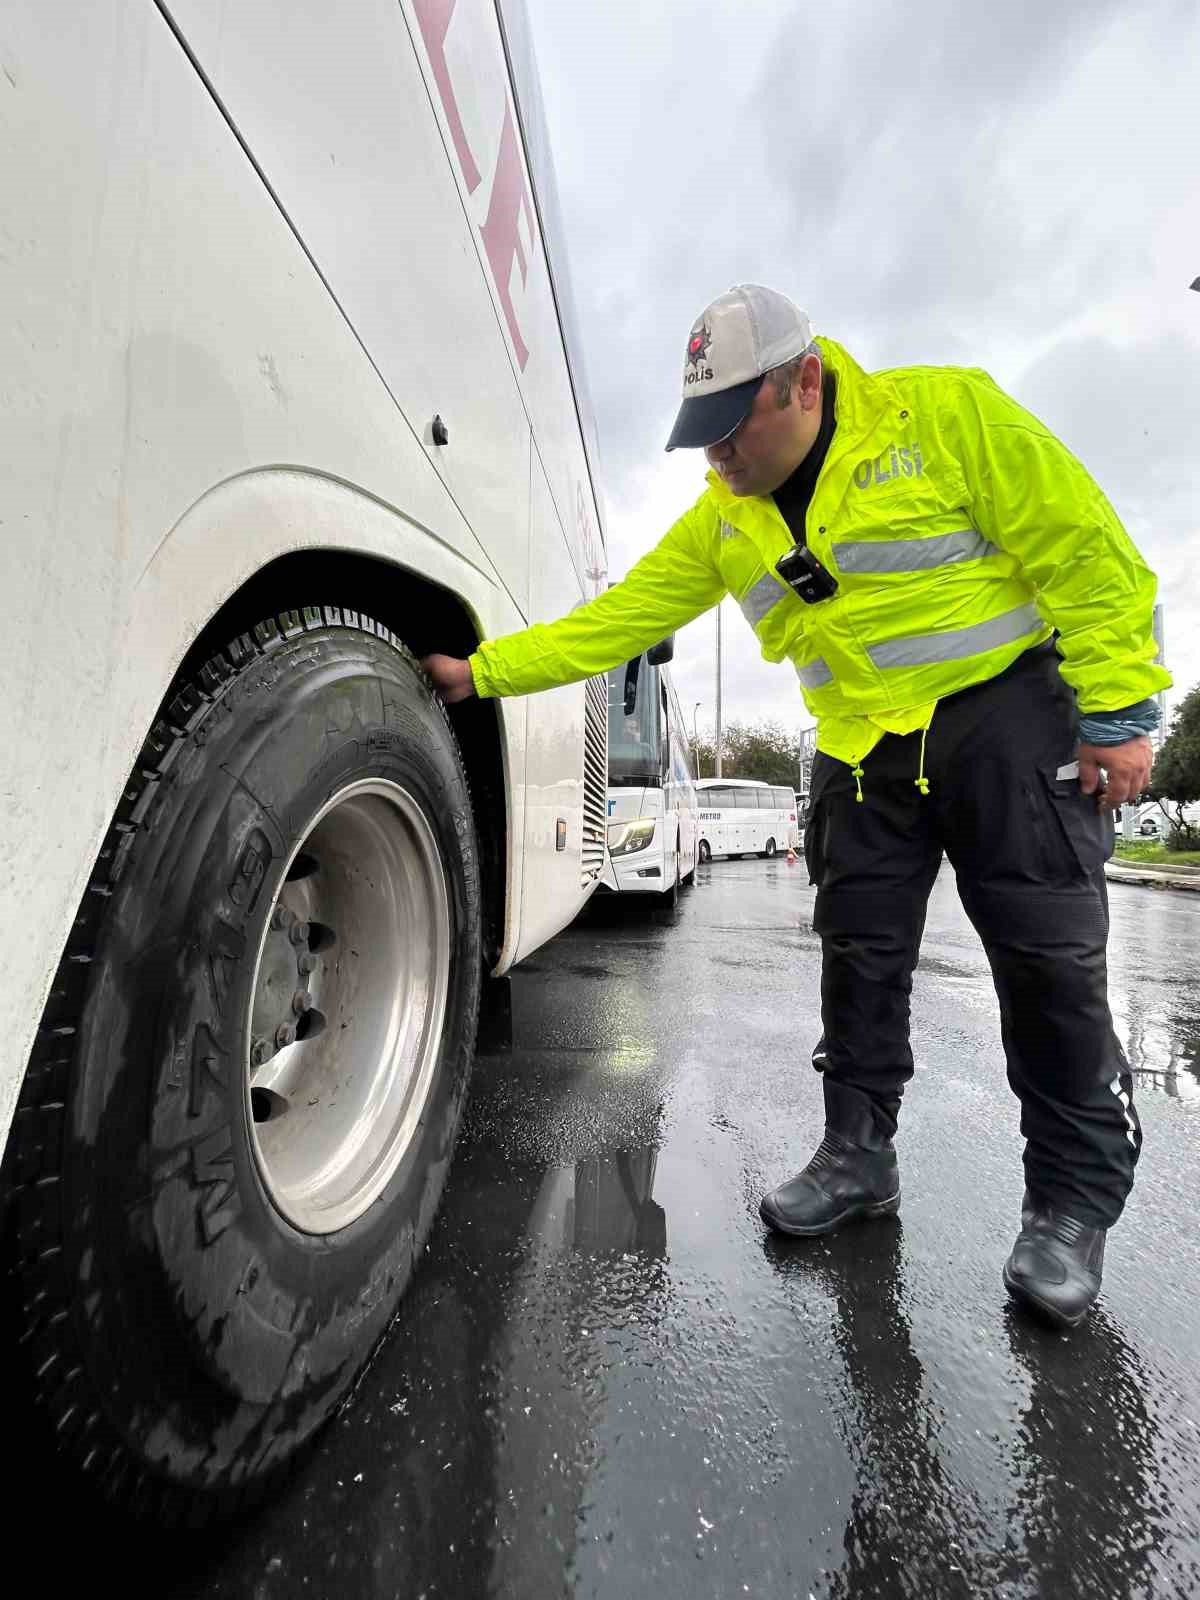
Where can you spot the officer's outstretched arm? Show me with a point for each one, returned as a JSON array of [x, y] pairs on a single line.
[[668, 587]]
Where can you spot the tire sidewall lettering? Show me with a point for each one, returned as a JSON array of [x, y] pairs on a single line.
[[238, 1277]]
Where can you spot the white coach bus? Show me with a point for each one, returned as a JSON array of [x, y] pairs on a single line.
[[739, 817], [288, 403], [653, 838]]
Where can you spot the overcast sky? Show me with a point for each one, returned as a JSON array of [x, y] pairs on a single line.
[[1014, 186]]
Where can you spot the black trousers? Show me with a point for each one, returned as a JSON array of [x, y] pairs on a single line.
[[1028, 848]]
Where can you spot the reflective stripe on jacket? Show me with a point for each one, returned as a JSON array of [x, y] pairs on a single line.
[[960, 532]]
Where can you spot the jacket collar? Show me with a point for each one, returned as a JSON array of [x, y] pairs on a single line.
[[863, 400]]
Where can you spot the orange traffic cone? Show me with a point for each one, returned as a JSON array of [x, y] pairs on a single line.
[[791, 859]]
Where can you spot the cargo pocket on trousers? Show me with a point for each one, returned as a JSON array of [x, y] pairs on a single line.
[[1076, 836], [815, 841]]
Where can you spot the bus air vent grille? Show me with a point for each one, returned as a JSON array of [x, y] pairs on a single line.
[[595, 778]]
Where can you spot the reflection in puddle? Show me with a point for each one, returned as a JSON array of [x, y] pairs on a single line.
[[594, 1274], [1153, 959], [602, 1205], [1163, 1049], [1087, 1498]]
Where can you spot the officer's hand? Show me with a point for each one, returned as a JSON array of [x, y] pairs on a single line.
[[1127, 765], [451, 677]]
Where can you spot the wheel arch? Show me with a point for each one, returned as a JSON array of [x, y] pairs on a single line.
[[242, 551], [426, 617]]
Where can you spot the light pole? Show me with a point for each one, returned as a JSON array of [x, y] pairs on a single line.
[[717, 760], [696, 736]]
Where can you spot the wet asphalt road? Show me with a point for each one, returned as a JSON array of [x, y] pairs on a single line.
[[608, 1381]]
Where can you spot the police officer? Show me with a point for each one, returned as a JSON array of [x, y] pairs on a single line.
[[971, 627]]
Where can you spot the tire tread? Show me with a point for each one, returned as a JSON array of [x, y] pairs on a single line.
[[37, 1297]]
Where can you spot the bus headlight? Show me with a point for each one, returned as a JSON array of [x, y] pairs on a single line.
[[626, 837]]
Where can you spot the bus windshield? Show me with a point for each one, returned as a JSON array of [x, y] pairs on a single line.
[[634, 737]]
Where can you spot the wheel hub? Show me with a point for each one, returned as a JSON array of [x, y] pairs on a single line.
[[348, 1005]]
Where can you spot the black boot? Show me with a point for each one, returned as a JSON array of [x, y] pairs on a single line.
[[841, 1182], [1056, 1264]]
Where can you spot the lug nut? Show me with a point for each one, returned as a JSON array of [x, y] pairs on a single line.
[[298, 933], [301, 1002], [285, 1035], [306, 963], [260, 1053], [281, 918]]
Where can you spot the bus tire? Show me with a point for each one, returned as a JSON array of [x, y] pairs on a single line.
[[199, 1268], [705, 852], [689, 877], [668, 900], [770, 850]]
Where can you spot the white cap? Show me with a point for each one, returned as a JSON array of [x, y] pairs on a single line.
[[733, 342]]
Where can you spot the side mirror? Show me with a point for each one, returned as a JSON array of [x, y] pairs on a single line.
[[659, 654]]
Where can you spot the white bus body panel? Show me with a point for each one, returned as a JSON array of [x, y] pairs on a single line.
[[553, 787], [186, 401]]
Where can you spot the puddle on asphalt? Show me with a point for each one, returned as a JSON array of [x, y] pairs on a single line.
[[1163, 1051]]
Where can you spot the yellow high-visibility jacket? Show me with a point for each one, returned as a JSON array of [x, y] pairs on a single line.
[[960, 532]]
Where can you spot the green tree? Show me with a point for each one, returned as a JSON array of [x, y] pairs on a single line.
[[762, 750], [1175, 780]]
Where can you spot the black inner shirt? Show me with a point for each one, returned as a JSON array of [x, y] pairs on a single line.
[[794, 494]]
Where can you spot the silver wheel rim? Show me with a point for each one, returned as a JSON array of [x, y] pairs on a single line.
[[348, 1005]]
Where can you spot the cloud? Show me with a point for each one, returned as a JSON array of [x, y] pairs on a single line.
[[1131, 412]]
